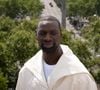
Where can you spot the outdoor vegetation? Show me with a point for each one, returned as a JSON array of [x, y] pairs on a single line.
[[18, 22], [83, 7]]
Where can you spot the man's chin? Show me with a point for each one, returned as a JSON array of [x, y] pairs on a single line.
[[49, 49], [48, 46]]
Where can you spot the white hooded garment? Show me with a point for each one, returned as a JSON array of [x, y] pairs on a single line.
[[68, 74]]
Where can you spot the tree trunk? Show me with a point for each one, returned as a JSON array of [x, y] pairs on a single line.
[[63, 10]]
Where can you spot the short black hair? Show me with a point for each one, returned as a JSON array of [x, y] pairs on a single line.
[[50, 18]]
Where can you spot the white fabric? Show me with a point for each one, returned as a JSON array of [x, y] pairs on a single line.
[[68, 74], [47, 69]]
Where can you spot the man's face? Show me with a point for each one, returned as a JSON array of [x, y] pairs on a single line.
[[48, 35]]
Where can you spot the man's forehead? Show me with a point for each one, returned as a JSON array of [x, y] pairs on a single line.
[[45, 22]]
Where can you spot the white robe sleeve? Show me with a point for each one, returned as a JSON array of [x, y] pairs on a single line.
[[85, 82]]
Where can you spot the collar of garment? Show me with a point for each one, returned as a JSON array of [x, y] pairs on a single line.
[[68, 64]]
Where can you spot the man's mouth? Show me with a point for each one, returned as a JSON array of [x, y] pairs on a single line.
[[48, 44]]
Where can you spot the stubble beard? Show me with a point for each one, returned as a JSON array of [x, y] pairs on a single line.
[[49, 50]]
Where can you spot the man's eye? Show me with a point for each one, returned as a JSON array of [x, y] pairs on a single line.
[[42, 33], [53, 33]]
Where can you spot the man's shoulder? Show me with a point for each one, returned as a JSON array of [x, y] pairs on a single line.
[[32, 62], [34, 58], [66, 49], [72, 61], [85, 80]]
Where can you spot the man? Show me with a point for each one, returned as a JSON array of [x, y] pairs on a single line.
[[55, 67]]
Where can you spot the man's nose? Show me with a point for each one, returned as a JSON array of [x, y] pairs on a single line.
[[48, 37]]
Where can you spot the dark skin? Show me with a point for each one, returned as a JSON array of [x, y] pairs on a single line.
[[49, 36]]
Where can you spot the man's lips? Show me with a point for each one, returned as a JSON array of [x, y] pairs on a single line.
[[48, 44]]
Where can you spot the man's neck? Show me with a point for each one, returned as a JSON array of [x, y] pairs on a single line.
[[52, 58]]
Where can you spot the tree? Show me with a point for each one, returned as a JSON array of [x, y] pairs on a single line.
[[5, 61], [17, 37], [98, 7], [79, 47], [23, 45], [91, 33], [66, 37], [62, 5], [3, 82], [20, 8], [81, 7], [6, 23]]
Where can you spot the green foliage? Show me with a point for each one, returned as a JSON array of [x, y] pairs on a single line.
[[6, 24], [92, 62], [6, 60], [66, 37], [98, 7], [3, 36], [81, 7], [3, 82], [12, 74], [92, 34], [2, 53], [98, 77], [23, 44], [80, 48], [95, 68], [27, 25], [5, 56], [14, 8]]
